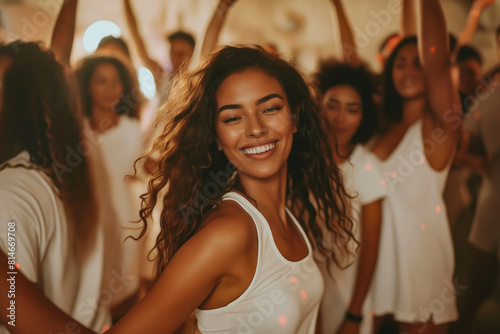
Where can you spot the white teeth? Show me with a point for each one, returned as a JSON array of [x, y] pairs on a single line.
[[259, 149]]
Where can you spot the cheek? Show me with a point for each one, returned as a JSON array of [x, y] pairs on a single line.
[[227, 136], [355, 121], [94, 92], [396, 75], [330, 117], [119, 90]]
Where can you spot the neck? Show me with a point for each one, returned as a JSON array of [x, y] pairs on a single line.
[[269, 194], [344, 151], [103, 119], [413, 109]]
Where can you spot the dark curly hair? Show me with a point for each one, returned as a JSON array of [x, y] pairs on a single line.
[[39, 115], [131, 97], [189, 158], [334, 73]]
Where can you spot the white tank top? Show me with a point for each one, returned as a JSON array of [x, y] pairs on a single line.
[[283, 297]]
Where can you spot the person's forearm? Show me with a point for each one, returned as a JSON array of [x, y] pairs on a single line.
[[470, 27], [370, 238], [346, 35], [212, 35], [64, 32], [409, 18], [32, 311]]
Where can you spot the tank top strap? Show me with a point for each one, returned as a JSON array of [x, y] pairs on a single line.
[[263, 226], [302, 232], [247, 206]]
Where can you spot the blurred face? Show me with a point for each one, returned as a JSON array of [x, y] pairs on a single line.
[[254, 124], [344, 111], [4, 65], [180, 52], [470, 70], [106, 87], [407, 74]]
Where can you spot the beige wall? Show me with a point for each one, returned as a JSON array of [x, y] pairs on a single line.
[[302, 29]]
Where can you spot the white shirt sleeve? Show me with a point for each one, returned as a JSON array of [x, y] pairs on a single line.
[[19, 207], [367, 178]]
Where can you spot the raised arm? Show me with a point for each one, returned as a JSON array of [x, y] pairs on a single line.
[[215, 25], [149, 63], [475, 11], [64, 32], [34, 313], [346, 36], [442, 126], [409, 18]]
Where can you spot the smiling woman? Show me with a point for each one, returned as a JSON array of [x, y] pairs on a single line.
[[231, 251], [256, 133]]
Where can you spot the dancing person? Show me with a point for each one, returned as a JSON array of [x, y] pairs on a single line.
[[106, 90], [246, 141], [242, 140], [46, 191], [416, 260], [345, 92], [181, 49], [346, 96], [482, 126]]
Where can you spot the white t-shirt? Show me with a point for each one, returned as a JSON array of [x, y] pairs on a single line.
[[119, 147], [43, 245], [361, 179]]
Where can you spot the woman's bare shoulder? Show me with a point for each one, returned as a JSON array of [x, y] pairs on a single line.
[[229, 219]]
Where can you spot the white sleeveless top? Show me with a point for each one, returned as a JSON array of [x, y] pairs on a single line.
[[283, 297], [414, 275]]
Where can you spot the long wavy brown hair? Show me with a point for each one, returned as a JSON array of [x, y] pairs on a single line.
[[193, 174], [39, 115]]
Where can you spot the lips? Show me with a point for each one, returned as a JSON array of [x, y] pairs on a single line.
[[339, 131], [259, 149]]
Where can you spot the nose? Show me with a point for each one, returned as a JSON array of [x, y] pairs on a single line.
[[339, 116], [255, 126]]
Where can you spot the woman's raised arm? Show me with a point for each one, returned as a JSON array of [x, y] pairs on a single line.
[[64, 32], [441, 127], [350, 54]]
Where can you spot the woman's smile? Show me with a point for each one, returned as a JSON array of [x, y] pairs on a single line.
[[254, 123], [259, 151]]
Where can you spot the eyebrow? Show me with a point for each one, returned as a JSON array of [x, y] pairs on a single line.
[[331, 99], [259, 101]]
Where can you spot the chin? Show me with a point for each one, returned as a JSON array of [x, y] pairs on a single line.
[[411, 94]]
